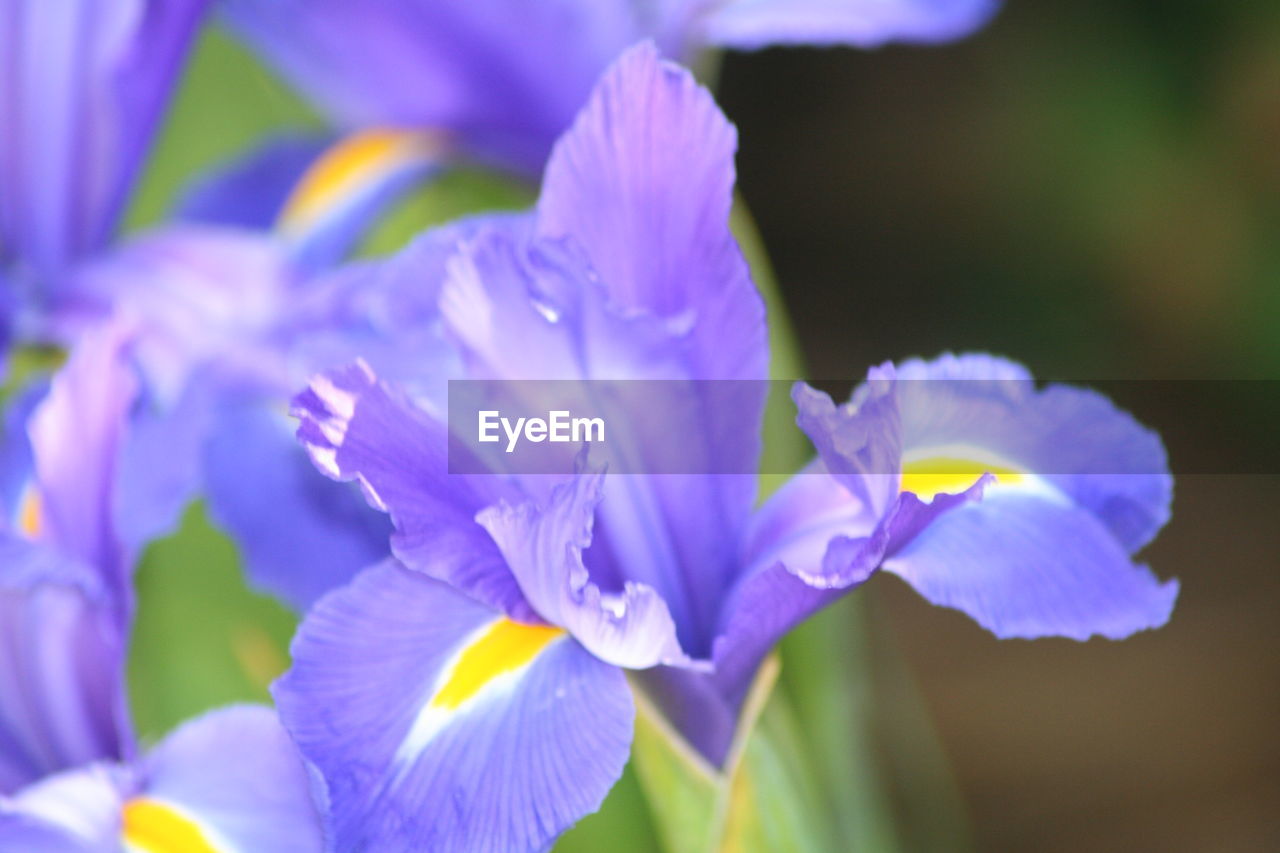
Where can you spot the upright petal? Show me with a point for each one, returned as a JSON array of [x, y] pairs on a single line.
[[357, 428], [643, 183], [440, 725], [76, 435], [233, 779], [84, 86], [751, 24], [62, 647], [502, 76]]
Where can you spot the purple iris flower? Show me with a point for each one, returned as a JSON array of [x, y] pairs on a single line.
[[423, 82], [503, 78], [472, 693], [83, 89], [71, 775]]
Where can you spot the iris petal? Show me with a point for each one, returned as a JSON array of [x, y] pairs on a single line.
[[371, 702]]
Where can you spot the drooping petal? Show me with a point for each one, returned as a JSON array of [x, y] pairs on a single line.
[[77, 811], [357, 428], [503, 77], [1024, 566], [1069, 486], [1073, 439], [62, 647], [301, 534], [543, 546], [752, 24], [76, 435], [233, 779], [440, 725], [83, 89]]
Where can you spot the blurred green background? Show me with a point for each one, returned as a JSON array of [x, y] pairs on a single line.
[[1092, 188]]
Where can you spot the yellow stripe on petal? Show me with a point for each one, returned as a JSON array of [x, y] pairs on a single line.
[[30, 516], [150, 826], [350, 168], [504, 647], [934, 475]]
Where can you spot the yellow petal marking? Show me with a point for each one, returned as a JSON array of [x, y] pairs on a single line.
[[926, 478], [30, 513], [153, 827], [350, 164], [504, 647]]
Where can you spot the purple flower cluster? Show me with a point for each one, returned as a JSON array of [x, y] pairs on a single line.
[[463, 676]]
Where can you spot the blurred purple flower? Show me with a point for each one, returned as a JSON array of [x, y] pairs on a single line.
[[83, 89], [228, 780], [71, 778], [503, 78], [470, 695]]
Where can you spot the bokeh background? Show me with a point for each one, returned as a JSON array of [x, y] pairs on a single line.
[[1090, 187]]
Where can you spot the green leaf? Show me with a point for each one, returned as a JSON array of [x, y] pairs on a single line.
[[202, 638]]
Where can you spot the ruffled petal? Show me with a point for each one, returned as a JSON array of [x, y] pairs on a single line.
[[357, 428], [62, 647], [752, 24], [300, 533], [543, 545], [234, 777], [440, 725]]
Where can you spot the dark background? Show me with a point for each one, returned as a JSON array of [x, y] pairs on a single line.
[[1091, 188]]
